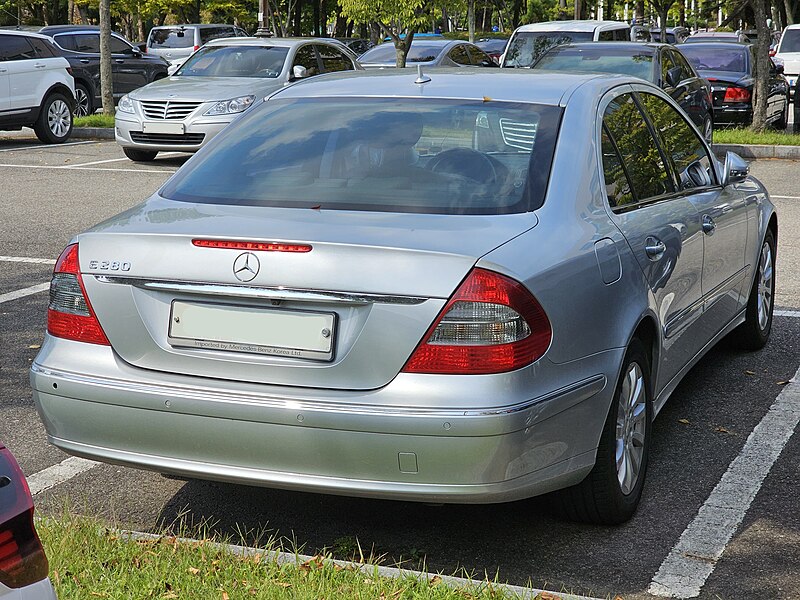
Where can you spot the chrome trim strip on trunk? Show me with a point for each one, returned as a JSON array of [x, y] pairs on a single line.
[[576, 392], [270, 293]]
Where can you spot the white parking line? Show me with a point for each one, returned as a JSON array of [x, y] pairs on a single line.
[[785, 197], [787, 313], [58, 474], [687, 567], [78, 168], [40, 146], [27, 259], [110, 160], [34, 289]]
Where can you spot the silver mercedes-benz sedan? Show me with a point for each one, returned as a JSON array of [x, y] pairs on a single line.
[[214, 86], [464, 287]]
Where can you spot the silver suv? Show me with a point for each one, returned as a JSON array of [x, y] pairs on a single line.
[[36, 86], [177, 42]]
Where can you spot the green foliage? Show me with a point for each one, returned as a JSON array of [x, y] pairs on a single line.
[[98, 120], [724, 135]]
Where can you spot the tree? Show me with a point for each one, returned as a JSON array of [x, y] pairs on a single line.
[[397, 19], [761, 87], [106, 84]]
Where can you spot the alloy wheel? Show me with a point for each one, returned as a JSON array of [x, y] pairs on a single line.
[[81, 102], [631, 428], [59, 118], [765, 284]]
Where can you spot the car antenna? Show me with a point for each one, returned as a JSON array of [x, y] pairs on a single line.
[[421, 77]]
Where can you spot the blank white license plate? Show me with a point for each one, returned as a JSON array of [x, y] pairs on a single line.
[[290, 333], [173, 128]]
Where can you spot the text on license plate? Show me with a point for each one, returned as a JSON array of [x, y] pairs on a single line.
[[279, 332]]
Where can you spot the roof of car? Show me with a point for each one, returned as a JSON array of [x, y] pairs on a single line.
[[286, 42], [632, 46], [717, 45], [25, 33], [506, 85], [178, 26], [583, 25]]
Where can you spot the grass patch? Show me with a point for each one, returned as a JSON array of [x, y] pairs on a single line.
[[90, 561], [741, 135], [97, 120]]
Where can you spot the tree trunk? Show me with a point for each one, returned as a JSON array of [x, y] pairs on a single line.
[[638, 11], [761, 86], [315, 17], [663, 15], [682, 18], [106, 83], [298, 18], [471, 20], [787, 6]]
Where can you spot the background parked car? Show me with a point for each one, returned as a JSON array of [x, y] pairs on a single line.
[[357, 45], [529, 42], [788, 53], [177, 42], [430, 52], [36, 87], [130, 69], [675, 35], [736, 37], [217, 83], [661, 64], [494, 47], [23, 563], [729, 69]]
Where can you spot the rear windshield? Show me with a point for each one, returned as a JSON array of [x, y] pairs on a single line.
[[171, 38], [790, 41], [386, 53], [393, 155], [526, 47], [234, 61], [602, 60], [714, 58]]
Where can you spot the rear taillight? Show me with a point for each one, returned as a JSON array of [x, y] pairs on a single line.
[[195, 48], [492, 324], [736, 94], [70, 314], [772, 51], [22, 559]]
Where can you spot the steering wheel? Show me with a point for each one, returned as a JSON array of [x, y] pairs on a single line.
[[465, 162]]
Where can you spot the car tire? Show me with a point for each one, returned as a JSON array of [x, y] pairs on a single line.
[[140, 155], [54, 124], [753, 334], [610, 493], [84, 106]]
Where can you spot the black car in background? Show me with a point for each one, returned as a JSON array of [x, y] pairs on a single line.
[[494, 47], [661, 64], [729, 69], [130, 68], [357, 45]]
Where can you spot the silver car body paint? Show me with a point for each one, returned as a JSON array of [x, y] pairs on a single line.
[[351, 425]]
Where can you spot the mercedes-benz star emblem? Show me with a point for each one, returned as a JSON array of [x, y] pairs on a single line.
[[246, 267]]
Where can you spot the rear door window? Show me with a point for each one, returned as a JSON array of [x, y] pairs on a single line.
[[42, 48], [629, 134], [119, 46], [307, 57], [459, 55], [88, 43], [15, 47], [333, 60], [606, 36]]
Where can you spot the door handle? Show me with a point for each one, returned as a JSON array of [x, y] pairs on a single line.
[[654, 248], [39, 65], [85, 61], [708, 225], [119, 61]]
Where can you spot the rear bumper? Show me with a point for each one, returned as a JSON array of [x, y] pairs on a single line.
[[203, 429], [733, 113]]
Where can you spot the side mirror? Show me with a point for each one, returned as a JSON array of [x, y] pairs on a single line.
[[674, 77], [735, 169], [299, 72]]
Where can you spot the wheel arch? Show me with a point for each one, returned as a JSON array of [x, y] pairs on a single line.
[[60, 88], [646, 331]]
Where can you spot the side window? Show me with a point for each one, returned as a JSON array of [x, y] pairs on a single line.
[[42, 48], [119, 46], [606, 36], [622, 35], [15, 47], [626, 129], [66, 41], [240, 32], [89, 43], [666, 64], [478, 56], [306, 57], [618, 186], [459, 55], [683, 146], [333, 60]]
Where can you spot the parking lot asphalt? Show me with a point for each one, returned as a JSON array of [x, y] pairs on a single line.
[[52, 193]]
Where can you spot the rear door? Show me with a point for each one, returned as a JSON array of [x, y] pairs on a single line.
[[4, 77], [660, 224], [723, 214], [24, 72]]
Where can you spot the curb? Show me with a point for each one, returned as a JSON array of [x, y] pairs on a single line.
[[754, 151], [283, 558], [93, 133]]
